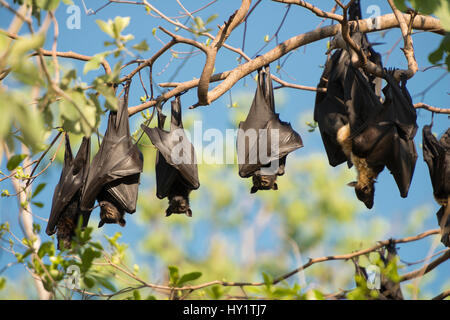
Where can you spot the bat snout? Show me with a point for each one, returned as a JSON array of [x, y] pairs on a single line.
[[178, 205], [366, 195]]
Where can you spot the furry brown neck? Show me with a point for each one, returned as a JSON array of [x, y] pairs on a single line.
[[366, 175]]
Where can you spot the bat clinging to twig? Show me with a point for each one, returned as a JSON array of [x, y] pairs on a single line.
[[437, 156], [66, 211], [176, 166], [115, 170], [379, 135], [264, 141]]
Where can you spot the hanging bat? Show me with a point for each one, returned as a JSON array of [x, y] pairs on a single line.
[[66, 211], [264, 141], [437, 156], [379, 135], [114, 174], [176, 165], [389, 289], [330, 110]]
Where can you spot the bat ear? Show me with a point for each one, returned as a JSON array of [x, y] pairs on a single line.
[[189, 213], [275, 186], [101, 223], [253, 189], [168, 212], [122, 222], [352, 184]]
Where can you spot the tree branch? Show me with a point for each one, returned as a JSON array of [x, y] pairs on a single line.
[[425, 106]]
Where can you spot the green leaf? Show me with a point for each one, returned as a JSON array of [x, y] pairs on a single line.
[[136, 295], [212, 18], [5, 119], [267, 280], [199, 23], [5, 193], [23, 45], [174, 274], [46, 248], [443, 13], [106, 27], [87, 257], [14, 161], [400, 4], [38, 204], [89, 282], [142, 46], [95, 62], [105, 283], [2, 283], [38, 189], [120, 23], [47, 4], [189, 277]]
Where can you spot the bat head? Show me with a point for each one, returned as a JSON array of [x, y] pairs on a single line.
[[364, 193], [179, 204], [264, 182], [109, 213]]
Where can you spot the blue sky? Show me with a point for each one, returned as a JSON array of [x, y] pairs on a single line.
[[302, 67]]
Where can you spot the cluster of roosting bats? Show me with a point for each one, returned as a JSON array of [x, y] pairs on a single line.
[[357, 127]]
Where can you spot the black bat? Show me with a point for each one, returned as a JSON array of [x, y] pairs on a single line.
[[437, 156], [379, 134], [389, 289], [114, 173], [176, 166], [330, 110], [261, 130], [66, 211]]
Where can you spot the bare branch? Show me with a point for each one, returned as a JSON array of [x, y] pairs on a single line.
[[211, 52], [408, 42], [318, 12], [422, 105], [427, 268]]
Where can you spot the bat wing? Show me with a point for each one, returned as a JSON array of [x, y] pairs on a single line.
[[117, 158], [71, 181], [363, 105], [437, 156], [402, 162], [165, 176], [402, 111], [330, 111], [175, 155], [288, 139], [444, 224], [263, 124]]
